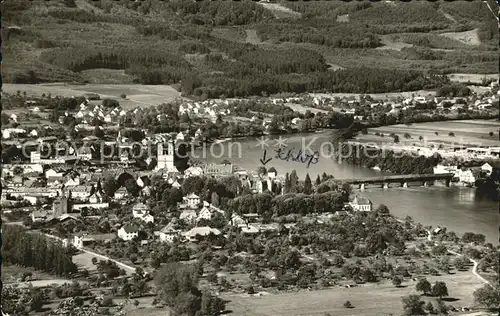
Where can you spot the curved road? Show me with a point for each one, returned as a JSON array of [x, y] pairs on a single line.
[[475, 262]]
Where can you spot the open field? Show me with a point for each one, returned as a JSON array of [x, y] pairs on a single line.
[[473, 78], [375, 299], [376, 96], [468, 37], [302, 109], [137, 95], [13, 273], [467, 132], [84, 261]]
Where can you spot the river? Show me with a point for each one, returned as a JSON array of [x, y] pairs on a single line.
[[456, 208]]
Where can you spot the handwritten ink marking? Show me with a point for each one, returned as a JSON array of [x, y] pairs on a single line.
[[263, 160], [299, 157]]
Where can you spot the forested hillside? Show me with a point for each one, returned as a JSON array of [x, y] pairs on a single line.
[[240, 48]]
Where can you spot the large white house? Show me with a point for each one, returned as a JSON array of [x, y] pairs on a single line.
[[141, 211], [441, 169], [192, 200], [200, 232], [487, 168], [128, 232], [168, 234], [82, 240], [360, 204], [467, 177]]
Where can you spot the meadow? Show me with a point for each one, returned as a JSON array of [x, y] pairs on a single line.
[[376, 300], [467, 132]]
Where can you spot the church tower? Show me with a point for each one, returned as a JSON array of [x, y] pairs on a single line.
[[165, 156]]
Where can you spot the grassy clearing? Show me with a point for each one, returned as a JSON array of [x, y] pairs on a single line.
[[145, 307], [13, 273], [390, 43], [229, 33], [467, 37], [383, 299], [84, 261], [252, 37], [344, 18], [427, 40], [302, 109]]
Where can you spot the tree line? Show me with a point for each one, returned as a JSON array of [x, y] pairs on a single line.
[[82, 58], [338, 36], [387, 160], [35, 250], [270, 206], [219, 12]]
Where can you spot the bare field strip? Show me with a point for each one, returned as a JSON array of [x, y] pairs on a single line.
[[279, 11]]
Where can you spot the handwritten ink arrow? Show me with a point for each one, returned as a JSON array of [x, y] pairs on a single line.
[[263, 159]]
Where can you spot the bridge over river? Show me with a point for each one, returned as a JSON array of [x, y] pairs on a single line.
[[403, 180]]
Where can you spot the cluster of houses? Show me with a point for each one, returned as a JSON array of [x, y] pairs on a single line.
[[89, 111], [465, 176], [211, 108], [69, 195]]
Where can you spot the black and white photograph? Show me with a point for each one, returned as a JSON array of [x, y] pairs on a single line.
[[250, 158]]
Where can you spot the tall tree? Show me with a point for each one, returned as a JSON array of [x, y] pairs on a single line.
[[318, 180], [412, 305], [423, 286], [132, 187], [439, 289], [294, 182], [307, 185], [110, 186]]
